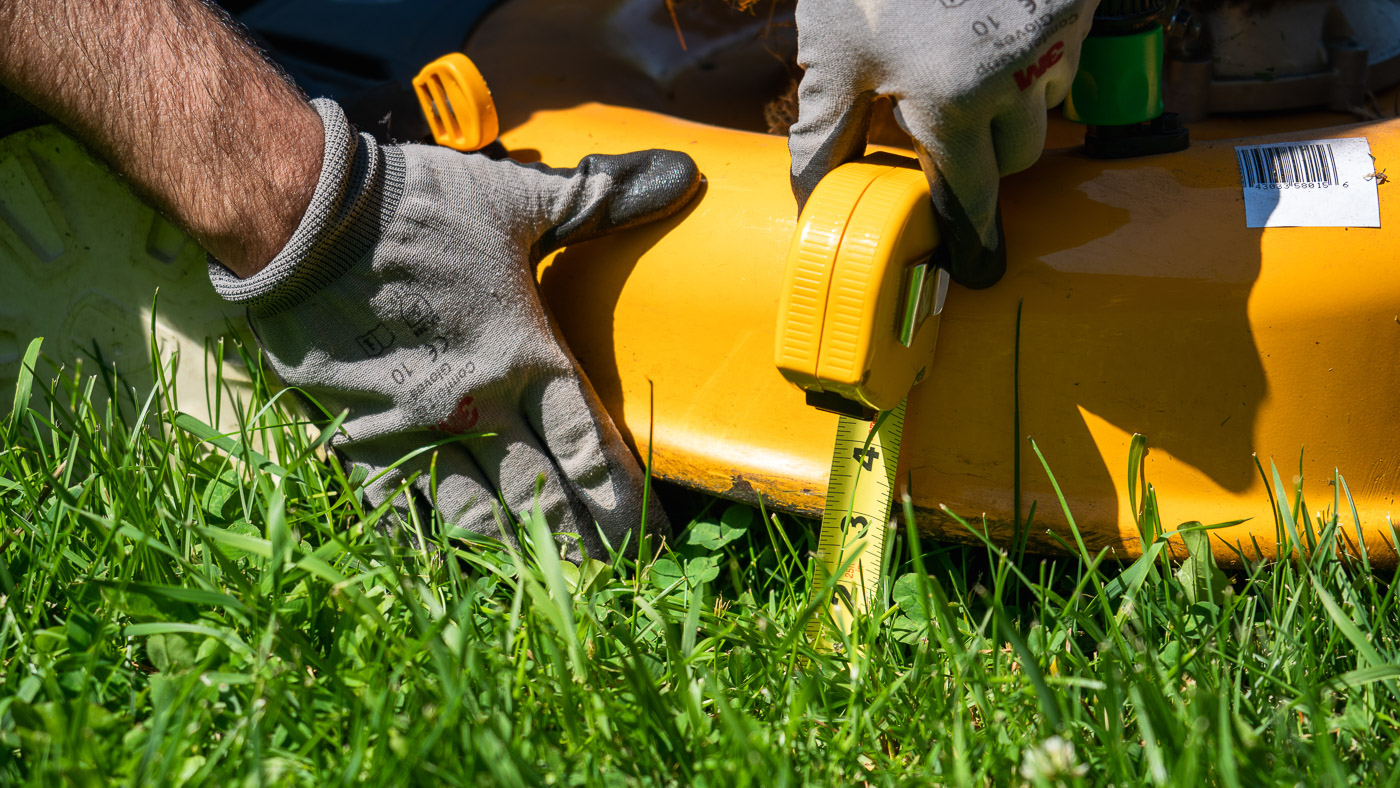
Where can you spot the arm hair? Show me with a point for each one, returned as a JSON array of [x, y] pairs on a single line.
[[174, 96]]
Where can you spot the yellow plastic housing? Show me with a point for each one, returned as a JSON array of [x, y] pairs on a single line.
[[843, 301], [811, 261], [457, 103]]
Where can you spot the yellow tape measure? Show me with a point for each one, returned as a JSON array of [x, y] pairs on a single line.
[[857, 326], [855, 519]]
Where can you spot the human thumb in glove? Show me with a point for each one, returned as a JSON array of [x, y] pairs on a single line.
[[407, 296], [970, 81]]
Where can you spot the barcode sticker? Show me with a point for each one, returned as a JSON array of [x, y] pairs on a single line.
[[1316, 183]]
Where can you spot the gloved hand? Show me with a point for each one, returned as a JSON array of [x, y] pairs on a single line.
[[407, 295], [970, 80]]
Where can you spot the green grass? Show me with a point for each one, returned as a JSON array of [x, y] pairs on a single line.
[[177, 607]]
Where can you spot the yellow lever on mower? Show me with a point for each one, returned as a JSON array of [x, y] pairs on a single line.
[[457, 103]]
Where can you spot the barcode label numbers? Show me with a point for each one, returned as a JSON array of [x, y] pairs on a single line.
[[1314, 183]]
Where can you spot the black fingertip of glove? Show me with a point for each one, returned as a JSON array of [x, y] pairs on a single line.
[[963, 255], [645, 186], [649, 185], [843, 129], [971, 264], [802, 188]]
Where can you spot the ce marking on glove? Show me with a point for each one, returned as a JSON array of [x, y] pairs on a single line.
[[433, 345]]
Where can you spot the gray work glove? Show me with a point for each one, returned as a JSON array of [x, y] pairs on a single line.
[[970, 80], [407, 295]]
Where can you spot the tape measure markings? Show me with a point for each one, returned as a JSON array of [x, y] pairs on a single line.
[[864, 460]]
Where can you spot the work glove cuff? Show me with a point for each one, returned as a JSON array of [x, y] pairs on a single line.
[[356, 194]]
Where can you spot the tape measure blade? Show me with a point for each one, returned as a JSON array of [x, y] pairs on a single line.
[[864, 460]]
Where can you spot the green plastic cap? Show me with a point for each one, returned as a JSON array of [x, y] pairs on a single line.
[[1119, 80]]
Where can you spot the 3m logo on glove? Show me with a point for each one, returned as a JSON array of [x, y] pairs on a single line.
[[1028, 75], [462, 418]]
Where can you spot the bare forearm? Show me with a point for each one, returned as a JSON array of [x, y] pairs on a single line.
[[177, 102]]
